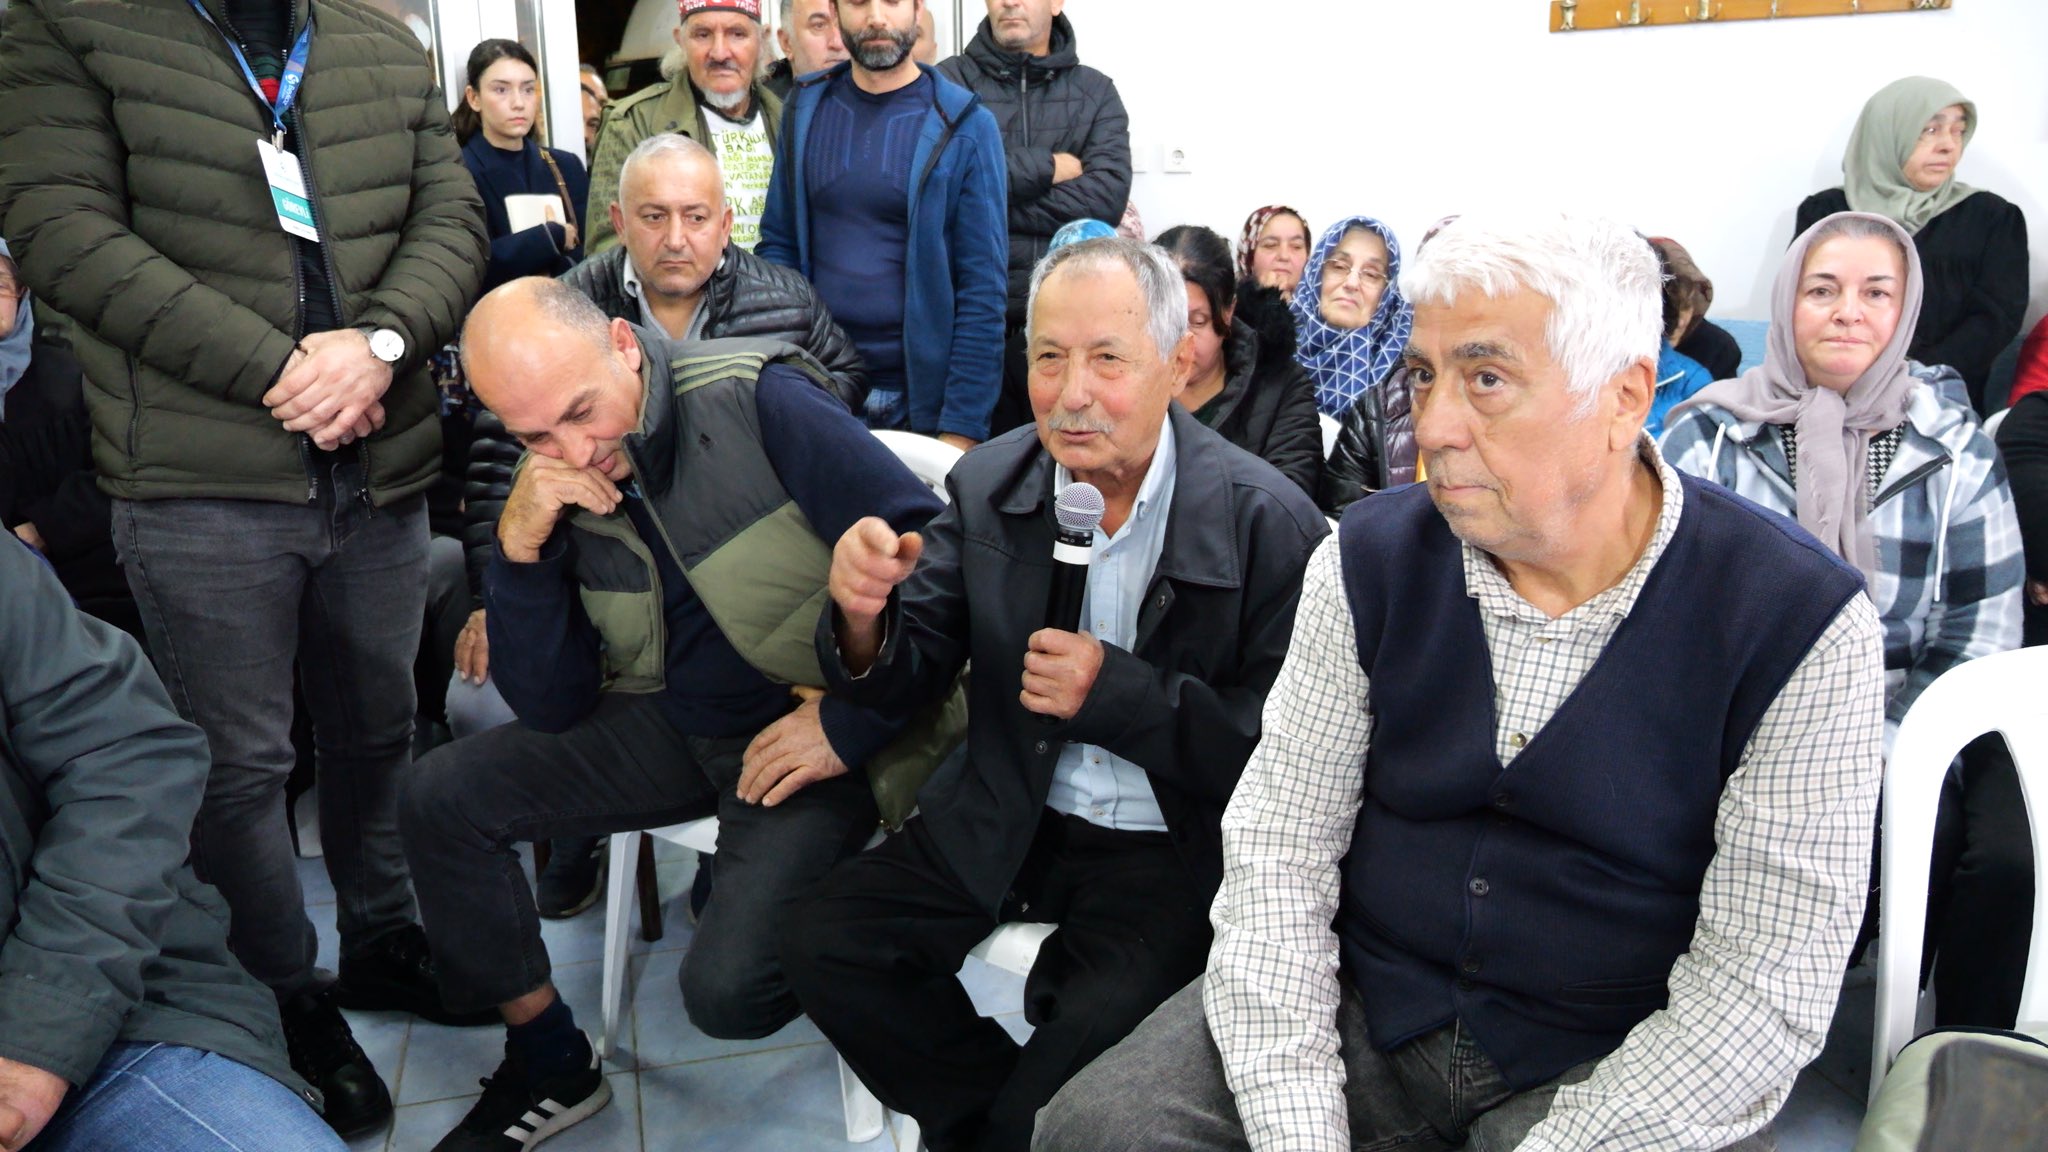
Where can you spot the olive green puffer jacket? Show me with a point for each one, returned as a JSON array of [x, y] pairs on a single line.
[[131, 187]]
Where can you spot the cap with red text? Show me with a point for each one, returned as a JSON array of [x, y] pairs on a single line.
[[689, 8]]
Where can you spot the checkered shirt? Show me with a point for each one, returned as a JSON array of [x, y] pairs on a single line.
[[1749, 1002]]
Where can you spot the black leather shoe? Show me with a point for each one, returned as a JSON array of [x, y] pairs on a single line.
[[325, 1052], [396, 974]]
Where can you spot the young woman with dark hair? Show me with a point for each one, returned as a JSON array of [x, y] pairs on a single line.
[[500, 105], [1245, 384]]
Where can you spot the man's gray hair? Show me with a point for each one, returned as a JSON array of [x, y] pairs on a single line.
[[1166, 299], [671, 146], [782, 18], [1605, 289]]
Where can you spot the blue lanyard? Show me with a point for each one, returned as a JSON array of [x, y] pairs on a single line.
[[287, 85]]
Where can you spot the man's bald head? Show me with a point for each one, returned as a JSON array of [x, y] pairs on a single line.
[[564, 379]]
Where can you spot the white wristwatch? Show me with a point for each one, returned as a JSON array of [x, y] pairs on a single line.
[[386, 344]]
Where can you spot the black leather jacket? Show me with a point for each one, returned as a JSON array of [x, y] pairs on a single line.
[[1375, 448], [746, 296]]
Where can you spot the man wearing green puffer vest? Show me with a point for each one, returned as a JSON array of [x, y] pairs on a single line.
[[659, 569]]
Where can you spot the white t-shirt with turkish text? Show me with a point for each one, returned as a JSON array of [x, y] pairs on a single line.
[[748, 164]]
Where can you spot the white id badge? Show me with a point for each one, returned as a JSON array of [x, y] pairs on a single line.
[[288, 191]]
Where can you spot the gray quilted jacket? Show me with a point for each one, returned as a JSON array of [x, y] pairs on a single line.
[[106, 935]]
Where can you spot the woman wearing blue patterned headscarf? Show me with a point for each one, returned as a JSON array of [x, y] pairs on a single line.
[[1349, 312]]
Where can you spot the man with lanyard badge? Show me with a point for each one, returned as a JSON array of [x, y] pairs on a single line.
[[262, 241]]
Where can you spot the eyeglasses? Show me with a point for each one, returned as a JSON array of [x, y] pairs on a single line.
[[10, 290], [1340, 272]]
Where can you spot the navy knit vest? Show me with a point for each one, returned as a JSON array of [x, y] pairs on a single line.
[[1543, 904]]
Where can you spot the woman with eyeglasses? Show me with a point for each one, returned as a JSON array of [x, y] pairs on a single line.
[[1349, 315], [1901, 164]]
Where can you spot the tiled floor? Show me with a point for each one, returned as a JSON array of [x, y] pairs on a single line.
[[675, 1088]]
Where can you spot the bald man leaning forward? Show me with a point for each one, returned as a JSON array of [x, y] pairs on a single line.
[[638, 709]]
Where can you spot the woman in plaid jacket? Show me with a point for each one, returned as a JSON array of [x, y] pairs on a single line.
[[1866, 450]]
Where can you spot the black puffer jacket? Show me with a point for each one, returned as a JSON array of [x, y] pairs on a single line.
[[746, 296], [1047, 104], [1268, 403], [1375, 448]]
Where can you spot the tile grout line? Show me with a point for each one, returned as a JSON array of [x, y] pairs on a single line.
[[632, 1029]]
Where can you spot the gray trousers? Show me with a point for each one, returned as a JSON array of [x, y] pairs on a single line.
[[232, 594], [1163, 1090]]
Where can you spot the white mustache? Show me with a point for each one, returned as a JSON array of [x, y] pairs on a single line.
[[1060, 422]]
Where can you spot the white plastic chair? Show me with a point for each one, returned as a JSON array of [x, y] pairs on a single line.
[[1330, 430], [2001, 693], [1012, 948], [929, 460]]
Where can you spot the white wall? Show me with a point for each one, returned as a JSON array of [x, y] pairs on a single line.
[[1413, 109]]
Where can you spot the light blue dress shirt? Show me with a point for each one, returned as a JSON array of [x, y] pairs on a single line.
[[1089, 781]]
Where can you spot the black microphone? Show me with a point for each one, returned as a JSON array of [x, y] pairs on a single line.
[[1078, 509]]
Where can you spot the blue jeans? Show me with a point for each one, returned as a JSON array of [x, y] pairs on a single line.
[[233, 593], [171, 1099], [887, 409]]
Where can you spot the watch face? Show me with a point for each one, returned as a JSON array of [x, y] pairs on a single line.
[[387, 345]]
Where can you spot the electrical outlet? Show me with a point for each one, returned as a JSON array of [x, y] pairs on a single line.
[[1177, 158]]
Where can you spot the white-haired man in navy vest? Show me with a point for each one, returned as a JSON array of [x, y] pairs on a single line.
[[1557, 834]]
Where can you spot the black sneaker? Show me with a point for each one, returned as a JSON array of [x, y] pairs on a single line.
[[514, 1115], [396, 974], [574, 877], [326, 1054]]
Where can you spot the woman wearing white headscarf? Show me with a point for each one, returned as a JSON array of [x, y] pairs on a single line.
[[1839, 430], [1901, 164]]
